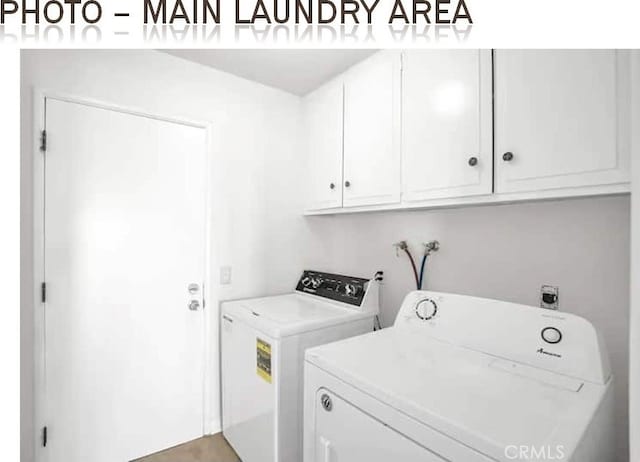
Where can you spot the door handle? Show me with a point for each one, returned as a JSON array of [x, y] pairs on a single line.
[[194, 305]]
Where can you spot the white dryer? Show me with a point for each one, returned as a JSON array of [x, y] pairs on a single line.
[[263, 344], [462, 379]]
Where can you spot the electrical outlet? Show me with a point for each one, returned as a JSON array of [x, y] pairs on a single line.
[[225, 275], [549, 297]]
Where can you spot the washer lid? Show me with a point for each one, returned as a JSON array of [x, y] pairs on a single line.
[[482, 401], [290, 314]]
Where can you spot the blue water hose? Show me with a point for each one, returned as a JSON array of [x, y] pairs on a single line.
[[422, 265]]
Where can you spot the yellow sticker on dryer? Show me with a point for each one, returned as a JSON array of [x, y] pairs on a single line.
[[263, 351]]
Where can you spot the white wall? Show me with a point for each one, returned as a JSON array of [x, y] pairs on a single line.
[[254, 138], [505, 252]]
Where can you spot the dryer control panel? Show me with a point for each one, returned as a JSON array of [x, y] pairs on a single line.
[[345, 289], [551, 340]]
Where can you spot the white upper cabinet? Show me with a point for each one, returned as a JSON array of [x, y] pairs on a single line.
[[447, 143], [433, 128], [372, 131], [323, 120], [562, 119]]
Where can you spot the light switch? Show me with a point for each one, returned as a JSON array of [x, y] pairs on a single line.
[[225, 275]]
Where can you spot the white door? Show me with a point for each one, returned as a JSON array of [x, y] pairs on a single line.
[[447, 141], [323, 117], [561, 119], [372, 131], [125, 237]]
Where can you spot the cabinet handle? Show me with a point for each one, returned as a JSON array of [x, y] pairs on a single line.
[[347, 184], [507, 156], [473, 161], [332, 186]]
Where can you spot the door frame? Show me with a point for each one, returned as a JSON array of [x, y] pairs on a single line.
[[210, 422]]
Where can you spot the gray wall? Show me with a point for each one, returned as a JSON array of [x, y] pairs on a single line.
[[505, 252]]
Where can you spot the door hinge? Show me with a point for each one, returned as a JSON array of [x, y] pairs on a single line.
[[44, 437], [43, 292], [43, 141]]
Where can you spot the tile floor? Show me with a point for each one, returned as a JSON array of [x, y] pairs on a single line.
[[212, 448]]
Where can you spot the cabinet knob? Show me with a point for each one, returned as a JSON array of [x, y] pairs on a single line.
[[473, 161], [332, 186], [347, 184], [327, 404], [507, 156]]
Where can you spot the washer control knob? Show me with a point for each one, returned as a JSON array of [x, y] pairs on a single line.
[[350, 289], [426, 309], [306, 281], [551, 335]]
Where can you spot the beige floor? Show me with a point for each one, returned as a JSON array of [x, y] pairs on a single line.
[[207, 449]]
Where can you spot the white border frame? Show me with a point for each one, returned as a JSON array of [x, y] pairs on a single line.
[[634, 330], [210, 423]]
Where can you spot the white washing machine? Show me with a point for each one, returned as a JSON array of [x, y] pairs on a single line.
[[263, 345], [462, 379]]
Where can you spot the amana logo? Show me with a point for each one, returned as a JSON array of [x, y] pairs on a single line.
[[542, 351]]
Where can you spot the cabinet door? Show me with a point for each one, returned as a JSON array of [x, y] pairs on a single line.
[[561, 119], [371, 131], [323, 117], [447, 124]]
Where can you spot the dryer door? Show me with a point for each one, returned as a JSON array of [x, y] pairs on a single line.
[[346, 433]]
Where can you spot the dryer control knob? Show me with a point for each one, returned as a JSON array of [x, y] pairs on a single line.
[[306, 281], [551, 335], [426, 309]]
